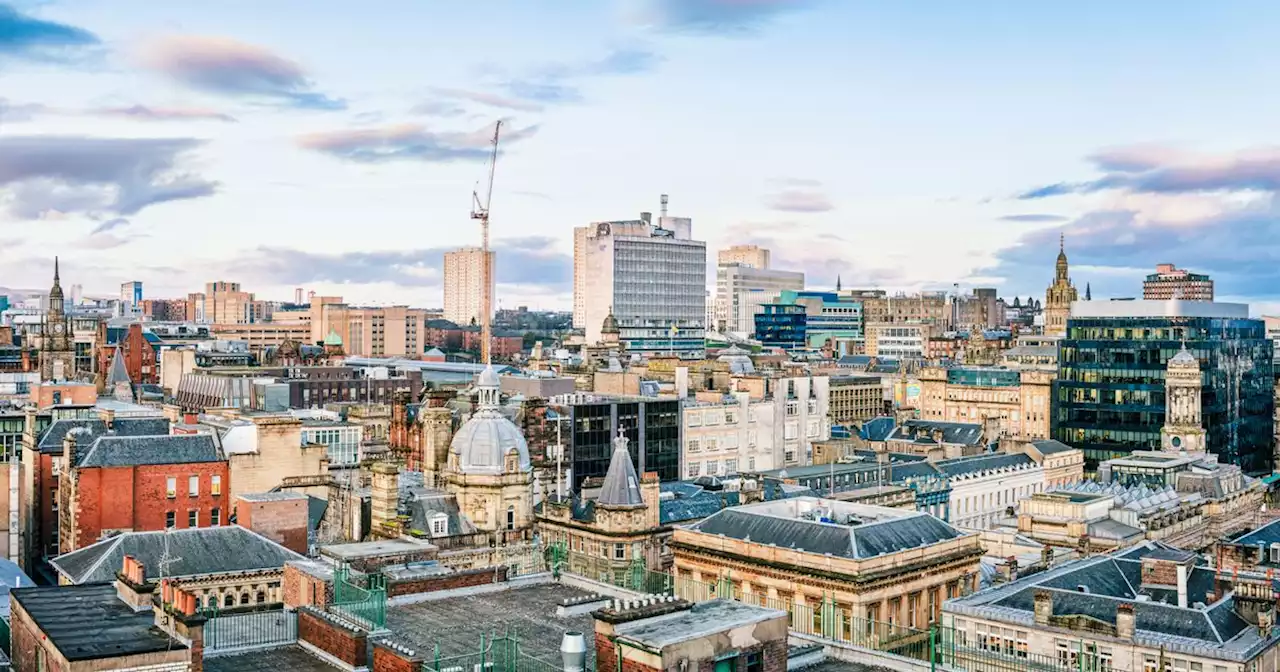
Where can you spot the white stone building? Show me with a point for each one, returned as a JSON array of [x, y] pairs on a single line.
[[983, 488], [769, 423], [742, 289]]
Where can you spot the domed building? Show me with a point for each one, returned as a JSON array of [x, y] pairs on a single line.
[[488, 467]]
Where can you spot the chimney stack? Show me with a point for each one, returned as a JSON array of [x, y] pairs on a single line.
[[1125, 621], [1043, 607]]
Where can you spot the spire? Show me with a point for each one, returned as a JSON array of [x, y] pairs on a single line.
[[119, 374], [1062, 242], [621, 484], [1088, 292], [837, 282], [55, 270]]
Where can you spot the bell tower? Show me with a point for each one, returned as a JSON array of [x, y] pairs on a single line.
[[57, 351], [1183, 430]]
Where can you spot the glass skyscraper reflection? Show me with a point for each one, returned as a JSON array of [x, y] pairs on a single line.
[[1109, 399]]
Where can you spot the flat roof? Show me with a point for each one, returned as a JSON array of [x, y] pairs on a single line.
[[1172, 308], [279, 496], [367, 549], [458, 623], [705, 618], [290, 658], [90, 621]]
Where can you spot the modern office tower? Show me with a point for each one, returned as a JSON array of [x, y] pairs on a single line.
[[1110, 396], [651, 425], [741, 289], [130, 298], [652, 279], [753, 256], [464, 284], [1171, 282], [224, 303]]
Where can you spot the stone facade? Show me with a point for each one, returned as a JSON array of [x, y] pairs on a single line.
[[1058, 298], [1023, 410]]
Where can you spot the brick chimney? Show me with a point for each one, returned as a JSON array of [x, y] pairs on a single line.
[[178, 615], [131, 585], [1124, 621], [624, 611], [1043, 606]]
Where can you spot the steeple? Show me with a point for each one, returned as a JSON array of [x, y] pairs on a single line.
[[1061, 274], [55, 292], [621, 484], [837, 282], [1088, 292]]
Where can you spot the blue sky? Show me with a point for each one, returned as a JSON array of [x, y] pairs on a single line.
[[334, 146]]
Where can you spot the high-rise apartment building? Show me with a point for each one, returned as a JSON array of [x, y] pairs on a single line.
[[1171, 282], [224, 303], [741, 289], [752, 256], [652, 279], [1111, 395], [464, 284], [580, 276]]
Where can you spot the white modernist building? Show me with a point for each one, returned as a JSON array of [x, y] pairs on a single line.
[[739, 433], [742, 289], [652, 279]]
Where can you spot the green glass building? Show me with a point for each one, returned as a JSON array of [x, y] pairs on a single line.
[[1109, 399]]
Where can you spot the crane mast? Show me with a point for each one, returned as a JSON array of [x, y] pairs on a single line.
[[480, 211]]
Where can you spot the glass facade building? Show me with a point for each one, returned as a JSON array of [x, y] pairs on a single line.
[[781, 325], [1109, 399], [652, 427]]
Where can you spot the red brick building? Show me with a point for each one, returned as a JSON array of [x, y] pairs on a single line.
[[140, 483], [165, 310], [139, 350], [43, 463], [451, 337], [278, 516]]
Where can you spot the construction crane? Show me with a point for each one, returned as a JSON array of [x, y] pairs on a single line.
[[480, 211]]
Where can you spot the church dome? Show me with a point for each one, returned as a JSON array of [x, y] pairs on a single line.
[[333, 339], [1184, 360], [484, 441], [610, 325]]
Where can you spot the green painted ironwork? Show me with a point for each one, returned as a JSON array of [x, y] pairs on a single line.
[[4, 635], [249, 630], [366, 605], [495, 654]]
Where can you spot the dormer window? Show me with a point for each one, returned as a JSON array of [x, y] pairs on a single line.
[[439, 525]]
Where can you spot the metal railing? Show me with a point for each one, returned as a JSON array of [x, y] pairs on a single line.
[[495, 654], [4, 636], [226, 633], [367, 606]]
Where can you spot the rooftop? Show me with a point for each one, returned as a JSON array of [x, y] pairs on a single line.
[[205, 550], [1267, 534], [921, 431], [703, 619], [458, 623], [829, 527], [368, 549], [121, 451], [1172, 308], [88, 622], [278, 496], [1095, 586], [51, 440], [289, 658]]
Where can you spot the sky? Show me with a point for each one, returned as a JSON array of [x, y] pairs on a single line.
[[334, 146]]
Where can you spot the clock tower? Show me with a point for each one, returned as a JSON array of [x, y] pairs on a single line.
[[1182, 431], [57, 349]]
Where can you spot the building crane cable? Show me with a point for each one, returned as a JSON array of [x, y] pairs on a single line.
[[480, 211]]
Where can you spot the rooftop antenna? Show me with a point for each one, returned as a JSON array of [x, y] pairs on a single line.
[[480, 211]]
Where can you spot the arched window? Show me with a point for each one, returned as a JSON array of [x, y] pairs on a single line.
[[211, 601], [262, 597], [229, 600], [244, 598]]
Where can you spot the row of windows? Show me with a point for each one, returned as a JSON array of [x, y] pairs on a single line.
[[695, 469], [193, 518], [193, 486]]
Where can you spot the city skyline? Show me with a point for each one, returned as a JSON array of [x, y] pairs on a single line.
[[304, 145]]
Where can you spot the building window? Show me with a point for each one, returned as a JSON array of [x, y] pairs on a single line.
[[439, 525], [215, 485], [193, 518], [170, 519], [619, 551], [171, 487], [215, 517], [261, 597], [193, 486], [511, 517], [244, 598], [694, 468]]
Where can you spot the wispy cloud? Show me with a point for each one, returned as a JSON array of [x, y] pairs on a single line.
[[439, 108], [807, 198], [26, 37], [561, 83], [45, 175], [11, 111], [1034, 217], [1158, 170], [532, 261], [717, 17], [410, 142], [109, 225], [146, 113], [487, 99], [231, 68]]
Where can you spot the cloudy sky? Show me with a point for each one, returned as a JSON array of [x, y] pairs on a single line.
[[334, 145]]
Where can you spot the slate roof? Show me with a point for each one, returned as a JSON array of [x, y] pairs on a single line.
[[205, 550], [858, 541], [1051, 446], [877, 429], [51, 440], [621, 484], [132, 451], [920, 431], [118, 373], [961, 466], [1267, 534], [689, 501], [90, 622], [11, 576], [423, 504], [316, 508], [1095, 586]]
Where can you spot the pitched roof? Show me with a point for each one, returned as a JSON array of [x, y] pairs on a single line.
[[920, 431], [621, 484], [51, 440], [118, 374], [205, 550], [122, 451], [90, 622], [1051, 446], [967, 465]]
